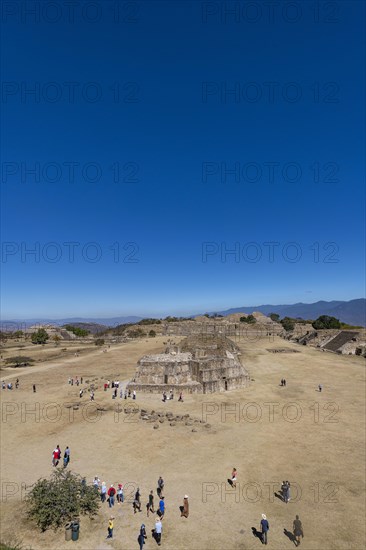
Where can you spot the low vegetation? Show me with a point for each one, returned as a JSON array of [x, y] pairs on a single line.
[[250, 319], [40, 336], [77, 330], [19, 361], [55, 501]]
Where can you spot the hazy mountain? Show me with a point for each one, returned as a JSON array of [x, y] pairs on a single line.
[[17, 324], [352, 312]]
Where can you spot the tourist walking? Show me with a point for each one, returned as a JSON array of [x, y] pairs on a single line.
[[111, 494], [110, 527], [142, 536], [96, 483], [56, 455], [160, 486], [137, 502], [150, 504], [184, 510], [34, 388], [120, 495], [66, 457], [103, 492], [264, 528], [180, 397], [286, 494], [158, 531], [134, 394], [233, 477], [320, 387], [161, 510], [298, 532]]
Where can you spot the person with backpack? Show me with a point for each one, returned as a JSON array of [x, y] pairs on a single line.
[[111, 494], [264, 528], [142, 536], [66, 457]]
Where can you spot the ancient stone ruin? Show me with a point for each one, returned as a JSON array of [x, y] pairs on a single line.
[[200, 364]]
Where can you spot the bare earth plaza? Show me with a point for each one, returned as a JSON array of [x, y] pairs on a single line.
[[234, 412]]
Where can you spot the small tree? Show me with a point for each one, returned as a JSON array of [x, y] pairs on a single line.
[[40, 336], [152, 333], [99, 342], [19, 361], [56, 339], [250, 319], [288, 324], [325, 321], [274, 316], [52, 502]]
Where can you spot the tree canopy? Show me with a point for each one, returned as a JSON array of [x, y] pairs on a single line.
[[325, 321], [53, 502], [40, 336]]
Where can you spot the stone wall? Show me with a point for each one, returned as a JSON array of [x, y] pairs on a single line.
[[193, 387]]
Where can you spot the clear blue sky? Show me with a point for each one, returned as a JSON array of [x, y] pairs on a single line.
[[161, 115]]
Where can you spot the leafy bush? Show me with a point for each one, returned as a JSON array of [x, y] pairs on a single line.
[[288, 324], [99, 342], [274, 316], [19, 361], [152, 333], [325, 321], [249, 319], [55, 501], [40, 336], [136, 333], [77, 330], [149, 322]]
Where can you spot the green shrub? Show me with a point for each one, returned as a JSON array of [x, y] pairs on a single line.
[[53, 502]]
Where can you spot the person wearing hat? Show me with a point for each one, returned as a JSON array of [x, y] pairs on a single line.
[[120, 496], [142, 536], [264, 528], [184, 510], [110, 527]]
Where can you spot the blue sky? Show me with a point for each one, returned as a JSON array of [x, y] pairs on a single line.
[[133, 162]]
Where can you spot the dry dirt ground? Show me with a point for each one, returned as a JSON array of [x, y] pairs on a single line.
[[269, 433]]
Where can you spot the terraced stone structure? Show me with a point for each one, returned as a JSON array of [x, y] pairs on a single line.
[[201, 363]]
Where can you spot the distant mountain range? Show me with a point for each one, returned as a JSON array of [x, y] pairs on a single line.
[[352, 312]]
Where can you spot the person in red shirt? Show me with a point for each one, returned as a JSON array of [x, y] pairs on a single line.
[[56, 455], [111, 495]]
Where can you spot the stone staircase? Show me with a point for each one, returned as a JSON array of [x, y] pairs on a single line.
[[339, 340]]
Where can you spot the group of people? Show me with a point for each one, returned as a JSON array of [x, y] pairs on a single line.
[[167, 397], [56, 456], [77, 381], [283, 382], [264, 524], [112, 493]]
